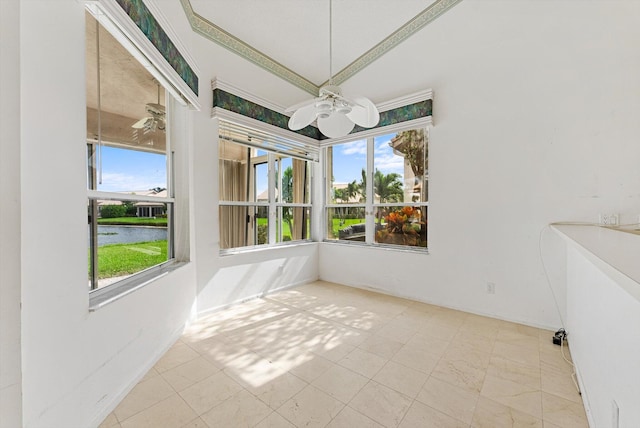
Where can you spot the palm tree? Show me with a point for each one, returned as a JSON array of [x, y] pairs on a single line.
[[287, 196], [351, 190], [388, 187], [362, 186]]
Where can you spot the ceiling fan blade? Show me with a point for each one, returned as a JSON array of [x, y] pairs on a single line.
[[140, 124], [300, 105], [303, 117], [364, 112], [336, 125]]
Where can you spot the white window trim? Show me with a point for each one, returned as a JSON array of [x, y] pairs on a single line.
[[273, 207], [369, 206], [120, 26]]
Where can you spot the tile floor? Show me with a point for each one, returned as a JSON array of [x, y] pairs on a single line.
[[327, 355]]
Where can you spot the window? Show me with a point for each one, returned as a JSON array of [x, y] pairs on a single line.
[[265, 196], [377, 190], [130, 201]]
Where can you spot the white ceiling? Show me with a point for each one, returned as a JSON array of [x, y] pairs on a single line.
[[294, 36], [290, 40], [296, 33]]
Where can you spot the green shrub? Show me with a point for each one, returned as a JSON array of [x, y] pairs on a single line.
[[262, 233], [112, 211]]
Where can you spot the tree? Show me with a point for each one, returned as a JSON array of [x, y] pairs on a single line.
[[130, 209], [112, 211], [415, 150], [362, 186], [351, 191], [388, 187], [287, 196], [339, 195]]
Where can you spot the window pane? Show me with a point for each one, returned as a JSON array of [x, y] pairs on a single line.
[[346, 223], [346, 165], [295, 223], [243, 226], [127, 153], [401, 225], [400, 167], [128, 244], [129, 171], [294, 179]]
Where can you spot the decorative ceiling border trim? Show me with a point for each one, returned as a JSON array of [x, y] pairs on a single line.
[[216, 34], [415, 106], [414, 25], [236, 104], [146, 22]]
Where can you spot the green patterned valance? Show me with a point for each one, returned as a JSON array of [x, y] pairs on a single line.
[[143, 18], [255, 111], [236, 104], [401, 114]]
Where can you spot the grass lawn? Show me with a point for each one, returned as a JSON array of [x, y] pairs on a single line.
[[337, 225], [127, 259], [133, 221]]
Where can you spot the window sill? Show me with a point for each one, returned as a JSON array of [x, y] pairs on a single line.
[[260, 248], [111, 293], [385, 247]]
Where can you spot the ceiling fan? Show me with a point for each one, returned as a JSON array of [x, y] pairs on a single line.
[[336, 115], [156, 119]]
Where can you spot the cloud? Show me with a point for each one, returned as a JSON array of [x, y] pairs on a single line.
[[389, 163], [124, 182], [356, 147], [382, 143]]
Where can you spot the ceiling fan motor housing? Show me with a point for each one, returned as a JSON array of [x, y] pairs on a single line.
[[324, 108]]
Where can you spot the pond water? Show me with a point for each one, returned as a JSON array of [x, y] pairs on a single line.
[[129, 234]]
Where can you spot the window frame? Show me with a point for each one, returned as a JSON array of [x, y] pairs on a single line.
[[117, 23], [369, 204], [274, 207]]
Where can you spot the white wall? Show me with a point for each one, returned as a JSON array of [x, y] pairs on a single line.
[[223, 280], [10, 353], [535, 115], [602, 326], [76, 364]]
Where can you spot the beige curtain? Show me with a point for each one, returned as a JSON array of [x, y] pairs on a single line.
[[233, 187], [299, 190]]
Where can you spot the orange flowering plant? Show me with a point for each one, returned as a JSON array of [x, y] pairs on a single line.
[[402, 227]]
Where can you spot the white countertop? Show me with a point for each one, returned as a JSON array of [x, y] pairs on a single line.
[[619, 250]]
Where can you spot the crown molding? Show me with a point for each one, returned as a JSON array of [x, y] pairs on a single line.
[[216, 83], [217, 35], [405, 100]]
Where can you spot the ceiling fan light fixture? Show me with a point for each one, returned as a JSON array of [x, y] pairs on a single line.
[[323, 108], [336, 115], [342, 107]]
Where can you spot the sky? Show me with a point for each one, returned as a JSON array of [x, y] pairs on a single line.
[[132, 170], [350, 158]]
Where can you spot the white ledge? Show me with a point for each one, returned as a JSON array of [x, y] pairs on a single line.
[[615, 252]]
